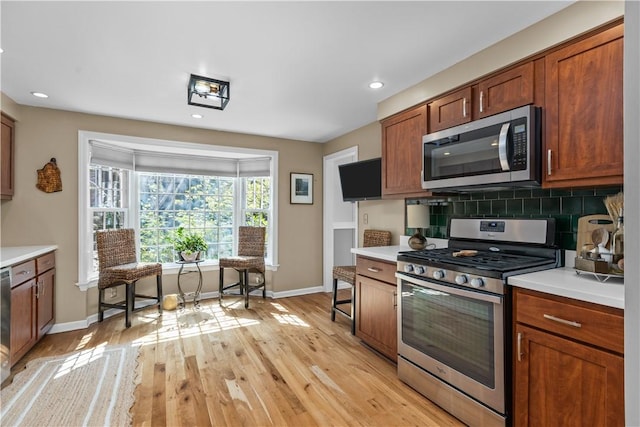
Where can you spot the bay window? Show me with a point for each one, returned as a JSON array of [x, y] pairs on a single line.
[[157, 186]]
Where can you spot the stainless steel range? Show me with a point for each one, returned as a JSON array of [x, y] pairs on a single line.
[[454, 313]]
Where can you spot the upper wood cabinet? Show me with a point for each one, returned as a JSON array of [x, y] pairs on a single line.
[[509, 89], [501, 92], [583, 112], [450, 110], [6, 157], [402, 153]]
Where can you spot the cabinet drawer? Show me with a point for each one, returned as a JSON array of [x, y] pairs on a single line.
[[46, 262], [589, 323], [376, 269], [20, 273]]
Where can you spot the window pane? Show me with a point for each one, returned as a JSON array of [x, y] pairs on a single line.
[[196, 203], [256, 204]]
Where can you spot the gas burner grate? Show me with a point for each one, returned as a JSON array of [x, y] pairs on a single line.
[[482, 260]]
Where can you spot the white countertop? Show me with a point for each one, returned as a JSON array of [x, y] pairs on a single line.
[[390, 253], [12, 255], [566, 282], [559, 281]]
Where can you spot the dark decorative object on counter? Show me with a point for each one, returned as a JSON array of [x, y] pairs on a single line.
[[418, 218]]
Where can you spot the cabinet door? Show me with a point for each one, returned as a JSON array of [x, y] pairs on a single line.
[[402, 153], [45, 300], [559, 382], [450, 110], [583, 118], [510, 89], [376, 315], [6, 158], [23, 333]]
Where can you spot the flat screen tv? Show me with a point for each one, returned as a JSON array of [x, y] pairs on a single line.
[[361, 180]]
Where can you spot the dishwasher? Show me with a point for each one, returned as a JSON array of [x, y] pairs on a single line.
[[5, 323]]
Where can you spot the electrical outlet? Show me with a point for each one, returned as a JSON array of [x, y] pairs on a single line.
[[113, 292], [365, 219]]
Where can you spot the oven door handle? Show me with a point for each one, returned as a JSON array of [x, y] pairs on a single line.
[[494, 299]]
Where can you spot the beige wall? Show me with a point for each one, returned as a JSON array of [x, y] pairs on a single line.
[[34, 217], [381, 214]]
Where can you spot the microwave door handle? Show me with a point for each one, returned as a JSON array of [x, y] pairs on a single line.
[[502, 147]]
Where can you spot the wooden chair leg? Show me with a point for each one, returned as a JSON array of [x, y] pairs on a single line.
[[159, 286], [221, 284], [129, 301], [245, 284], [100, 301]]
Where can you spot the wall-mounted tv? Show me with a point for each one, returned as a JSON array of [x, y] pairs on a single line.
[[361, 180]]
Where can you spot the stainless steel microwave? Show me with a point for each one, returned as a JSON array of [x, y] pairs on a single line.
[[497, 151]]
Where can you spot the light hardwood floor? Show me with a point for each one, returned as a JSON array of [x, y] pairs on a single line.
[[282, 362]]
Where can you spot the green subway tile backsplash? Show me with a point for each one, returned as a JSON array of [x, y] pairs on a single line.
[[566, 205]]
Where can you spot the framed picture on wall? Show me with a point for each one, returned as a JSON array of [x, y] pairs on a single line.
[[301, 188]]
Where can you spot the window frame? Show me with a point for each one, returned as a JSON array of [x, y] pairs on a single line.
[[87, 279]]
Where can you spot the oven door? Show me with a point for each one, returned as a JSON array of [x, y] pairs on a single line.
[[456, 335]]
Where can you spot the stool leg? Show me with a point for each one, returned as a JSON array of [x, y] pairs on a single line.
[[334, 298], [353, 309]]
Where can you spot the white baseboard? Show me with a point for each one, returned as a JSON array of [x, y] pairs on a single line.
[[84, 324]]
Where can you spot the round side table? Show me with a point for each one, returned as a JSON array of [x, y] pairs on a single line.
[[196, 294]]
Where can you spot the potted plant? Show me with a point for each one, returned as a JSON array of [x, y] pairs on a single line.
[[189, 245]]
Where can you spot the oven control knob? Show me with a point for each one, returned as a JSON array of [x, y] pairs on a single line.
[[461, 279], [477, 282], [408, 268], [438, 274], [419, 269]]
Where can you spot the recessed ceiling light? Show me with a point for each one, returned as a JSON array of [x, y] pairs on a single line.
[[39, 94], [197, 116], [1, 50], [376, 85]]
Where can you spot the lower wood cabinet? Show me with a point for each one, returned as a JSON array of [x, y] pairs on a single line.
[[32, 303], [376, 306], [569, 366]]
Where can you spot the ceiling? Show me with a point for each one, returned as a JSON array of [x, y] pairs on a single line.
[[298, 70]]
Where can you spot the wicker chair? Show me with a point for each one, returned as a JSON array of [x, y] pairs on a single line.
[[250, 259], [118, 266], [347, 273]]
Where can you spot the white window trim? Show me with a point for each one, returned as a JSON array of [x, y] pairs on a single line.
[[84, 221]]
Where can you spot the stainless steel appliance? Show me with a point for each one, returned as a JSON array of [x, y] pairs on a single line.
[[498, 151], [5, 322], [454, 313]]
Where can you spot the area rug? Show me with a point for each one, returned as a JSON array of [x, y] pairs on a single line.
[[93, 387]]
